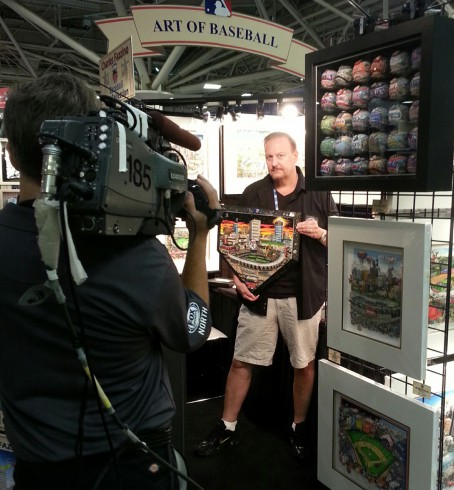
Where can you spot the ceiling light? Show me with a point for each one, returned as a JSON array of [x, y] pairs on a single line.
[[289, 111], [212, 86]]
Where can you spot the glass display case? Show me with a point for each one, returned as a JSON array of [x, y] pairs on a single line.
[[379, 110]]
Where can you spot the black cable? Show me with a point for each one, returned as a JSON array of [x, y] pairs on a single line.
[[111, 102], [81, 342], [78, 344]]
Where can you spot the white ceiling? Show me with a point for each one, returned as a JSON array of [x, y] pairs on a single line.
[[41, 36]]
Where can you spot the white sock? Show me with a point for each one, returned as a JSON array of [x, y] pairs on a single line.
[[230, 425]]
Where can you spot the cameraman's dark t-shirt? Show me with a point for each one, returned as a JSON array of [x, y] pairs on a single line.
[[132, 299]]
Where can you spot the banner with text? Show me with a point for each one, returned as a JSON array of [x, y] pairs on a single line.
[[157, 26], [117, 29]]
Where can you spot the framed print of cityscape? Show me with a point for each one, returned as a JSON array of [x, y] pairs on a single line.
[[378, 291], [374, 288], [258, 244], [370, 438]]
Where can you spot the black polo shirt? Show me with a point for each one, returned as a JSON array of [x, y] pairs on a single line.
[[310, 288]]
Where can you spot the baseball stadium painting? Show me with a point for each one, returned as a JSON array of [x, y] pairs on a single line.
[[258, 245], [370, 449]]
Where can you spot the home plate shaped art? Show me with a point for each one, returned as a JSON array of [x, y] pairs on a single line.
[[258, 244]]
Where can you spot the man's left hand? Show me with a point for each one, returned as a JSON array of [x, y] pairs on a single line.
[[309, 228]]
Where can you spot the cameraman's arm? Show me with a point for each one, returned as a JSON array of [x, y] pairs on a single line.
[[194, 273]]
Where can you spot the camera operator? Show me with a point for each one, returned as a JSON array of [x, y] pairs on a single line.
[[132, 300]]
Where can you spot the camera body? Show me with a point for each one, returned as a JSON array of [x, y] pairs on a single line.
[[113, 181]]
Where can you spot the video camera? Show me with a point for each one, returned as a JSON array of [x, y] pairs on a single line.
[[116, 171]]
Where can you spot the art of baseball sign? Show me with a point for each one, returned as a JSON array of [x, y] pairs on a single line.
[[156, 26]]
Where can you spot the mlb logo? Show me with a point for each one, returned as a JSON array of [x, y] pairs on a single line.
[[222, 8]]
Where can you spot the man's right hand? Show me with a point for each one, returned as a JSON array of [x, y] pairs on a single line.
[[244, 290]]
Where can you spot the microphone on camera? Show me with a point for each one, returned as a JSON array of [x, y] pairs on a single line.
[[174, 133]]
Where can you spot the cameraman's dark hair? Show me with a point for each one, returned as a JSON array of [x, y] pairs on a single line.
[[30, 103]]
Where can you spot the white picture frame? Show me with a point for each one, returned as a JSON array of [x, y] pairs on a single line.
[[181, 237], [370, 436], [243, 153], [205, 162], [9, 175], [378, 291]]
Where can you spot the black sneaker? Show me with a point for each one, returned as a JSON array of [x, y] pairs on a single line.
[[218, 437], [299, 442]]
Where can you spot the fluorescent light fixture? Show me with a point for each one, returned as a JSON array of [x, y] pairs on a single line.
[[246, 94], [212, 86]]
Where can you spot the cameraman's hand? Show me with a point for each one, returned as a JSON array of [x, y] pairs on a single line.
[[194, 273], [198, 222]]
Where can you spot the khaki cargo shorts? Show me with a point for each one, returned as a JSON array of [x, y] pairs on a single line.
[[256, 335]]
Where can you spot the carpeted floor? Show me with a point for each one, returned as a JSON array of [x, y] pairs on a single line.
[[262, 460]]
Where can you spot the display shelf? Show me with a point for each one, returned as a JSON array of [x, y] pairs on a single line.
[[436, 208], [437, 351], [389, 189], [434, 380]]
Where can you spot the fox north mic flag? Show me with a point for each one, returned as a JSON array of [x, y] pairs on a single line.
[[222, 8]]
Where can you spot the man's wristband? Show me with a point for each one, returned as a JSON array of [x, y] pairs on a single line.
[[323, 236]]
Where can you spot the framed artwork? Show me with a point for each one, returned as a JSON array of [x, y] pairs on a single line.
[[375, 118], [180, 241], [243, 154], [378, 291], [7, 461], [447, 476], [439, 273], [243, 157], [196, 161], [204, 162], [371, 438], [258, 244], [9, 173]]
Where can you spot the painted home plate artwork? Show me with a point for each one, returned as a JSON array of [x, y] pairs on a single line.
[[258, 244]]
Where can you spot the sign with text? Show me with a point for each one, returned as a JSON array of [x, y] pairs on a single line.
[[116, 72], [115, 31], [157, 26]]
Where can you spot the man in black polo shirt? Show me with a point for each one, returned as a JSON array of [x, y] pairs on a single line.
[[292, 303]]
